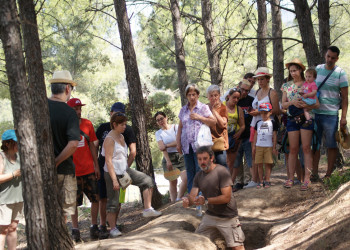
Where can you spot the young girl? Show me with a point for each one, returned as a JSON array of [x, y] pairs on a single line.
[[264, 145], [309, 92]]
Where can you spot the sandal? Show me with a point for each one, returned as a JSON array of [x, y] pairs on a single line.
[[259, 185], [288, 184], [267, 184], [304, 186]]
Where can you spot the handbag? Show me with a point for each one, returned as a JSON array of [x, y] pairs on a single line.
[[204, 137], [124, 180], [219, 144], [231, 140]]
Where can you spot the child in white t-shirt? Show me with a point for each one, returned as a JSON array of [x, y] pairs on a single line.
[[264, 144]]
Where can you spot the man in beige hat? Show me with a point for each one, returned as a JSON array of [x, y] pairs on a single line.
[[66, 136]]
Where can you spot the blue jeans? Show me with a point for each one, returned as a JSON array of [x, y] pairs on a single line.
[[329, 125], [192, 167], [220, 158], [245, 148]]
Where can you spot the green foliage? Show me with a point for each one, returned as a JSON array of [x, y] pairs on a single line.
[[337, 178], [5, 125]]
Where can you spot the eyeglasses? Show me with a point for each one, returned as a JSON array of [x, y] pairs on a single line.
[[160, 119]]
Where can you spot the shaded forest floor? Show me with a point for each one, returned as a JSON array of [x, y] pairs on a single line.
[[274, 218]]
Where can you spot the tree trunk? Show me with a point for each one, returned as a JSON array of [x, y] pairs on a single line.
[[303, 15], [278, 53], [323, 24], [57, 229], [262, 33], [179, 50], [34, 209], [212, 51], [143, 156]]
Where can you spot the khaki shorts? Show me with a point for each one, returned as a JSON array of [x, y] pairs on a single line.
[[67, 185], [10, 212], [263, 155], [229, 228]]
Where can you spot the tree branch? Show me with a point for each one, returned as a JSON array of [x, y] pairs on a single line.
[[340, 36], [115, 46], [4, 83], [281, 7]]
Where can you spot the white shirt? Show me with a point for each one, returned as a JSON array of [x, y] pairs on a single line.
[[168, 136], [119, 158]]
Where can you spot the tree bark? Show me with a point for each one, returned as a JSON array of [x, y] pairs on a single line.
[[262, 33], [212, 51], [179, 50], [323, 26], [303, 15], [34, 209], [278, 53], [143, 156], [57, 229]]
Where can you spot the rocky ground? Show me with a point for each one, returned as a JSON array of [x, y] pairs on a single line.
[[273, 218]]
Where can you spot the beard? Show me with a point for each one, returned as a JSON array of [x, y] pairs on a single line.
[[205, 167]]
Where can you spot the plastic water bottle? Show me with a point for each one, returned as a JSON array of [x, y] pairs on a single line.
[[122, 195], [199, 208]]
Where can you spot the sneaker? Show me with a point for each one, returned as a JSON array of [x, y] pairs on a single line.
[[76, 235], [237, 187], [103, 232], [151, 213], [94, 232], [251, 184], [114, 233], [314, 177]]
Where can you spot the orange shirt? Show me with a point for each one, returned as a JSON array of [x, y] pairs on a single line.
[[82, 157]]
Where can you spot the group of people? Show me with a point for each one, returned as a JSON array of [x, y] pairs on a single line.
[[243, 124]]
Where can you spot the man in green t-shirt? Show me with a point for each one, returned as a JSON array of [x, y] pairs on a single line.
[[326, 116], [66, 135]]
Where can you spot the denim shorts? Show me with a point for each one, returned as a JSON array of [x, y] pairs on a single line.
[[329, 125], [245, 148], [293, 126]]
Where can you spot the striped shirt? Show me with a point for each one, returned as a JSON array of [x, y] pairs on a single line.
[[330, 91]]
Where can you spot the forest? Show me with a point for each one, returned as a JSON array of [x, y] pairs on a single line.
[[142, 53]]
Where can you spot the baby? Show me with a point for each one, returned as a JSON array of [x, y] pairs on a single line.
[[309, 92]]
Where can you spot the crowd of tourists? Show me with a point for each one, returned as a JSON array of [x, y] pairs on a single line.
[[216, 149]]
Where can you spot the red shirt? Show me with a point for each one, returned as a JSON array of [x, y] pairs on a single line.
[[82, 158]]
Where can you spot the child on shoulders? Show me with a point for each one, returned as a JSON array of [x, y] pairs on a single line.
[[264, 144]]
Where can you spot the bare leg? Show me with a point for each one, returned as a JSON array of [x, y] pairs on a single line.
[[173, 190], [12, 235], [268, 168], [75, 218], [306, 136], [332, 155], [94, 213], [293, 151], [287, 166], [147, 197], [3, 234], [112, 219], [298, 171], [183, 185], [103, 213], [316, 161], [260, 172]]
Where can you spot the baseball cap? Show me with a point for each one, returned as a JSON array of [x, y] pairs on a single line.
[[266, 106], [9, 135], [75, 102], [118, 107]]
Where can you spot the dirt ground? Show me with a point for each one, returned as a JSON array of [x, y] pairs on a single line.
[[273, 218]]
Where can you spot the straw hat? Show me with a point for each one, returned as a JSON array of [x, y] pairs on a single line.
[[172, 174], [63, 76], [296, 61], [262, 71], [342, 136]]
